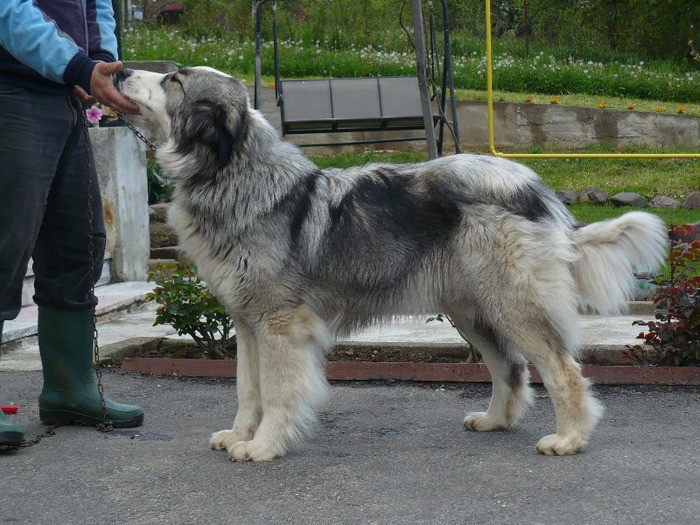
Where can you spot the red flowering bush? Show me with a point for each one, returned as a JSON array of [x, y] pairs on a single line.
[[674, 338]]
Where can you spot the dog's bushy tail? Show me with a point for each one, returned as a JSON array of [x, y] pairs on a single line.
[[610, 252]]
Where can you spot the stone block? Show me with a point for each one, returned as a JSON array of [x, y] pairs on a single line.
[[692, 201], [157, 66], [568, 196], [628, 198], [678, 130], [594, 195], [662, 201], [120, 160], [159, 212]]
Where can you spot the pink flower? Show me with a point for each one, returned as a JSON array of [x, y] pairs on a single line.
[[94, 114]]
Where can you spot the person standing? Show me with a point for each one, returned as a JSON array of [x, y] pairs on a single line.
[[55, 56]]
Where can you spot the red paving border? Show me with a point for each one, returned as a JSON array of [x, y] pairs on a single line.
[[428, 372]]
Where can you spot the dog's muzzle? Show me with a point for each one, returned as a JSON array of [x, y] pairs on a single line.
[[120, 77]]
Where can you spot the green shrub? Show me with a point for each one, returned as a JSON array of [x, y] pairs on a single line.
[[188, 306], [160, 188], [674, 338]]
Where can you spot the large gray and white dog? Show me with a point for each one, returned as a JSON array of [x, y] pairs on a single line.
[[299, 255]]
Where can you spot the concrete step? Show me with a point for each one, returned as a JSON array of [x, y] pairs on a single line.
[[167, 252]]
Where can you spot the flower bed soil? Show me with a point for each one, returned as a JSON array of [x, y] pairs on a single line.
[[174, 349], [447, 363]]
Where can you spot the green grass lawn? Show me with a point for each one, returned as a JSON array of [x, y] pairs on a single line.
[[648, 177]]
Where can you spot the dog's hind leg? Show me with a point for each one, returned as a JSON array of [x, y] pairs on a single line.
[[511, 393], [291, 346], [576, 409], [248, 387]]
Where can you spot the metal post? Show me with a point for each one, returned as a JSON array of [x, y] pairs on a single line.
[[277, 52], [419, 36], [527, 31], [435, 65], [258, 37], [448, 74]]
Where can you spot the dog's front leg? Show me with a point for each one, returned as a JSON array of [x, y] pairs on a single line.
[[291, 346], [248, 386]]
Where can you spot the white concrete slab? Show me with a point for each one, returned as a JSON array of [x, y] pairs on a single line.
[[596, 330]]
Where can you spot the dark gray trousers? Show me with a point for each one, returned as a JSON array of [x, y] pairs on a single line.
[[44, 201]]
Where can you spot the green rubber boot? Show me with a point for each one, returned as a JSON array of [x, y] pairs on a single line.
[[10, 435], [70, 393]]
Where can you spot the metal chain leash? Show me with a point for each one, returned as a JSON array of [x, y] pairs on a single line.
[[106, 425], [138, 134], [51, 431]]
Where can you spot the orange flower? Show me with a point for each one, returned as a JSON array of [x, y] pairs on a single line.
[[271, 84], [528, 99], [601, 105], [554, 101], [657, 110], [631, 106], [681, 109], [479, 95]]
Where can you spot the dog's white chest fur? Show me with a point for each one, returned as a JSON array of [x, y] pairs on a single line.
[[221, 277]]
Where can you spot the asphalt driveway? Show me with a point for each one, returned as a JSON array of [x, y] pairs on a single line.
[[382, 453]]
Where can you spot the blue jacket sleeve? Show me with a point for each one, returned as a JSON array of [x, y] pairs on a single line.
[[34, 39]]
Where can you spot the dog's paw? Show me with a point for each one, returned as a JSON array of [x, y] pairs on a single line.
[[253, 451], [223, 439], [480, 422], [559, 445]]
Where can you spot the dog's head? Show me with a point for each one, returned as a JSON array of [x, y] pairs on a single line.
[[198, 108]]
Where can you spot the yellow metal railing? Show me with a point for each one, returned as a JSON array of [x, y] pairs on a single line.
[[489, 81]]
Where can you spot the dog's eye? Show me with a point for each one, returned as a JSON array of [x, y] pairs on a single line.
[[170, 78]]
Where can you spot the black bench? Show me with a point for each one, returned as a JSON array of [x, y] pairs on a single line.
[[340, 105]]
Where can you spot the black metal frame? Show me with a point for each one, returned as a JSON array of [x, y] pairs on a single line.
[[355, 125]]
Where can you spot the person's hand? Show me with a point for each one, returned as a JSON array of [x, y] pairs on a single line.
[[103, 89], [87, 100]]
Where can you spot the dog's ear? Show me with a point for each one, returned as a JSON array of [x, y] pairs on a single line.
[[224, 148], [209, 124]]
